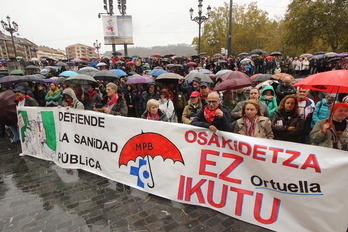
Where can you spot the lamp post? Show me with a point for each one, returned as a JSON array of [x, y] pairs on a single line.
[[122, 9], [200, 19], [11, 29], [229, 35], [97, 46]]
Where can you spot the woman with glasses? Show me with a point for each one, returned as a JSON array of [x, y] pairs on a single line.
[[213, 116]]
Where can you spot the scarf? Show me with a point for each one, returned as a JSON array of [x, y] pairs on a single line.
[[91, 93], [113, 100], [209, 115], [22, 98], [152, 117], [250, 125]]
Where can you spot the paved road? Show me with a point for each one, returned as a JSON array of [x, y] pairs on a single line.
[[37, 195]]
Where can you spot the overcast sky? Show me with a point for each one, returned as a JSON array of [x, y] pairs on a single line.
[[58, 24]]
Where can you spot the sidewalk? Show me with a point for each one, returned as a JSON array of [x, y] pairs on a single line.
[[37, 195]]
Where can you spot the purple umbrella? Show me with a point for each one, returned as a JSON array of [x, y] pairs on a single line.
[[342, 55], [136, 79], [9, 79]]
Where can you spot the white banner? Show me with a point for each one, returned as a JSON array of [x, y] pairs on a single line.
[[278, 185]]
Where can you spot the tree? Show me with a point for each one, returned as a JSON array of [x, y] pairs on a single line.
[[312, 22]]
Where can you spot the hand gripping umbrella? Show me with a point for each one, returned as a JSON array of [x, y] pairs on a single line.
[[149, 145]]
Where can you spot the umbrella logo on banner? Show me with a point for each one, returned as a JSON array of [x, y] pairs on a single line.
[[141, 148]]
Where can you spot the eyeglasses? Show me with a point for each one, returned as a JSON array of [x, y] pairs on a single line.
[[212, 102]]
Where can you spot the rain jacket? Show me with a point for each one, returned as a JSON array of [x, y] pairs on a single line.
[[270, 102], [190, 112], [145, 96], [54, 100], [161, 116], [236, 112], [76, 104], [321, 111], [282, 120]]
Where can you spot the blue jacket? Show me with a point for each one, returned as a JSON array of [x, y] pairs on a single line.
[[322, 111], [272, 102]]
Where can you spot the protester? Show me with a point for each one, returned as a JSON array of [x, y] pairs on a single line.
[[40, 93], [70, 100], [150, 93], [252, 122], [306, 106], [333, 131], [322, 109], [239, 95], [194, 86], [193, 107], [92, 97], [213, 116], [228, 100], [254, 94], [166, 105], [129, 96], [114, 104], [287, 124], [53, 96], [204, 90], [153, 112], [268, 97], [80, 94], [285, 88]]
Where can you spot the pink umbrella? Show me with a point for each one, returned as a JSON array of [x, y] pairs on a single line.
[[136, 79]]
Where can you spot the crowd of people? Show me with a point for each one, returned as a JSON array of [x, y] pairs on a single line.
[[281, 111]]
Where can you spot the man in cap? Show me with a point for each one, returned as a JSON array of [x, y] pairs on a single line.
[[189, 89], [204, 89]]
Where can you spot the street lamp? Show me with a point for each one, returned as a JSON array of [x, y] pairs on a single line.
[[11, 29], [200, 19], [97, 46]]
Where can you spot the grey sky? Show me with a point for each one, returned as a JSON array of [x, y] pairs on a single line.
[[58, 24]]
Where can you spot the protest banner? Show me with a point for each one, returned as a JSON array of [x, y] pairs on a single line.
[[278, 185]]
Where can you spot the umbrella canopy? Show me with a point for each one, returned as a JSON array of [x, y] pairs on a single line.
[[204, 77], [83, 58], [169, 76], [119, 62], [17, 72], [246, 60], [192, 63], [344, 54], [308, 55], [330, 54], [55, 80], [319, 53], [275, 54], [221, 72], [335, 81], [243, 54], [262, 77], [233, 84], [281, 76], [9, 79], [130, 63], [156, 72], [119, 72], [34, 59], [254, 76], [258, 52], [8, 114], [62, 64], [31, 78], [101, 64], [156, 55], [221, 61], [80, 79], [105, 76], [32, 67], [234, 75], [137, 79], [88, 71], [205, 71], [68, 74]]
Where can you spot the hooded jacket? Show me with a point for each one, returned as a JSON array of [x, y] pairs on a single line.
[[271, 102], [76, 104]]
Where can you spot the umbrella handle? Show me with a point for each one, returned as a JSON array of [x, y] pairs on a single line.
[[153, 182]]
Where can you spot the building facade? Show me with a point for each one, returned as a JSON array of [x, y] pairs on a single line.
[[24, 48], [80, 50]]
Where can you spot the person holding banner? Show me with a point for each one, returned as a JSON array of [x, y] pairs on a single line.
[[213, 116], [192, 108], [153, 112], [252, 122], [287, 124], [115, 104], [333, 131]]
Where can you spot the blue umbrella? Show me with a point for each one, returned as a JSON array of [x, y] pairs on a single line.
[[119, 72], [68, 74], [156, 72]]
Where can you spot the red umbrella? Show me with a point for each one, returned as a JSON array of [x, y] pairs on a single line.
[[149, 145], [331, 82], [233, 84], [156, 55], [83, 58], [130, 63], [234, 75], [192, 63], [8, 114]]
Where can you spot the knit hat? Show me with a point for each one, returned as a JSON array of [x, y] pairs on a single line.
[[337, 105]]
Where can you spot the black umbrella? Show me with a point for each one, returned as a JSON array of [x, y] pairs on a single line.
[[8, 114], [116, 53], [61, 64], [275, 54], [258, 52], [243, 54], [105, 76], [262, 77], [31, 78], [32, 67]]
